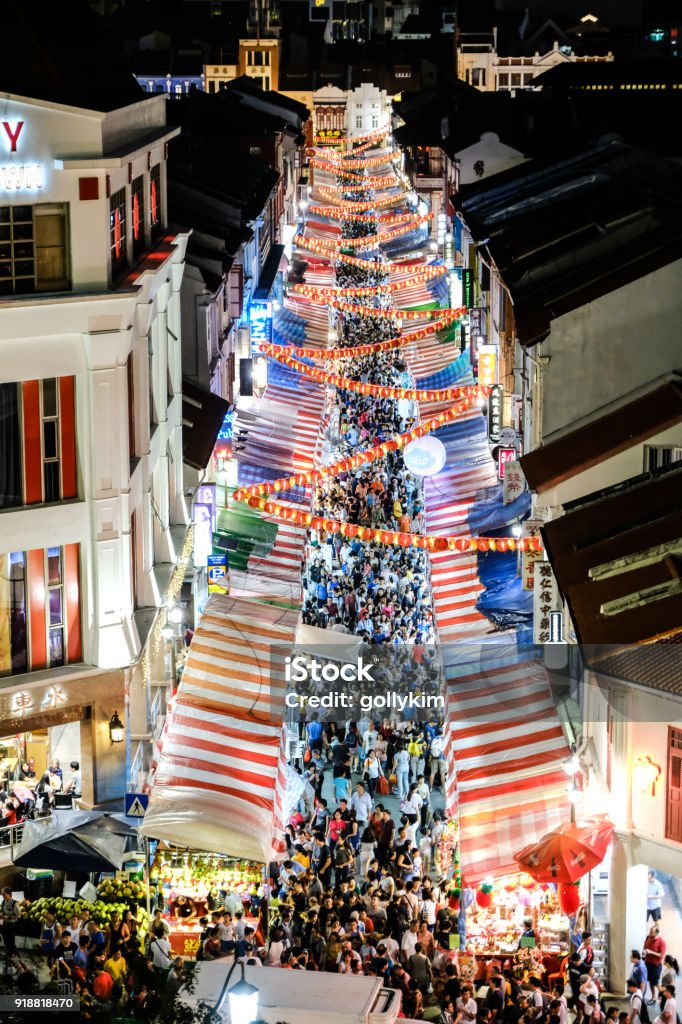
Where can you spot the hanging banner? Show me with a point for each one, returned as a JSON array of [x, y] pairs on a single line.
[[495, 412], [487, 364], [531, 531], [468, 287], [514, 482], [546, 599]]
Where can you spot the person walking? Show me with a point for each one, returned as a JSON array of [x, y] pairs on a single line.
[[9, 915], [401, 766]]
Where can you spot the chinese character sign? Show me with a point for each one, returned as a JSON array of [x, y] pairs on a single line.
[[495, 412], [546, 599], [487, 364], [531, 528], [505, 456], [514, 481]]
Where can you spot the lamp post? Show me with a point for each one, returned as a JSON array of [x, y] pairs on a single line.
[[242, 997]]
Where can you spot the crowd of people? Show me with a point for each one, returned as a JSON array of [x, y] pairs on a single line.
[[352, 585]]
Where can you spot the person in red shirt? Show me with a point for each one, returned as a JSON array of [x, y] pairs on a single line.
[[102, 985], [654, 950]]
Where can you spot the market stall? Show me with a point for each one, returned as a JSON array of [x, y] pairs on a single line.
[[209, 881]]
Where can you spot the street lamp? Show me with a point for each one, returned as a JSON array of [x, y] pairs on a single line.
[[242, 997], [116, 729]]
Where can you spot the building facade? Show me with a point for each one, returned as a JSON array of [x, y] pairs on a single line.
[[92, 512]]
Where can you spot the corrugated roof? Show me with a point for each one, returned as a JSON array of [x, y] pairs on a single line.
[[564, 232]]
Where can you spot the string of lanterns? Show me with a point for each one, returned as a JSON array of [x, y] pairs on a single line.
[[386, 181], [367, 217], [355, 206], [279, 353], [399, 314], [429, 542], [353, 461], [319, 293], [329, 163], [371, 136], [367, 242]]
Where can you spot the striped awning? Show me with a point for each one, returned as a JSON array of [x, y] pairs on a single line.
[[505, 748], [222, 782]]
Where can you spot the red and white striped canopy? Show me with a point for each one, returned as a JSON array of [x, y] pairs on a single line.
[[221, 782], [505, 747]]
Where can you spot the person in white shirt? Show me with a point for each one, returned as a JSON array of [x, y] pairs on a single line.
[[369, 739], [160, 950], [401, 766], [409, 941], [466, 1006], [670, 1005], [562, 1009], [361, 803]]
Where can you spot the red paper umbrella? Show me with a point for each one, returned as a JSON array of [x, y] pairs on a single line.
[[569, 852]]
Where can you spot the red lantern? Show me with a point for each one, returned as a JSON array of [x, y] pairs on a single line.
[[569, 898], [527, 882]]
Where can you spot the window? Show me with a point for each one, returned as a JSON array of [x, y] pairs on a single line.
[[478, 77], [137, 191], [375, 121], [658, 456], [358, 121], [155, 208], [38, 442], [118, 241], [673, 813], [515, 80], [177, 88], [50, 424], [528, 79], [130, 374], [258, 59], [266, 58], [503, 80], [33, 249], [40, 601]]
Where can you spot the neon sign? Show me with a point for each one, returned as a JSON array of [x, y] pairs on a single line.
[[18, 177], [261, 325]]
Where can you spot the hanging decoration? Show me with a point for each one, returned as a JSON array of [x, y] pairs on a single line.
[[388, 181], [340, 162], [484, 895], [399, 314], [363, 350], [354, 461], [330, 192], [347, 207], [380, 390], [367, 242]]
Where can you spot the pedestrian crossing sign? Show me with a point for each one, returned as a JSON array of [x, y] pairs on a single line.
[[136, 804]]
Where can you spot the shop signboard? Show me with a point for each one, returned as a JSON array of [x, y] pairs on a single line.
[[476, 320], [495, 413], [546, 602], [468, 287], [531, 528], [487, 364], [20, 176], [205, 495], [216, 570], [330, 137], [449, 251], [514, 482], [505, 456], [203, 534], [260, 319]]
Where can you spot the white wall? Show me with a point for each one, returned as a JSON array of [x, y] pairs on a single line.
[[496, 157], [609, 347]]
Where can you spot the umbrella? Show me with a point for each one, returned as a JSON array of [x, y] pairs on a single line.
[[568, 852], [75, 841]]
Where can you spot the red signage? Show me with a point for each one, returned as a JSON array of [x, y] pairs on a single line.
[[505, 455]]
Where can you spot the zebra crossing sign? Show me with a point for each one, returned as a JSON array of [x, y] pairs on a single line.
[[136, 804]]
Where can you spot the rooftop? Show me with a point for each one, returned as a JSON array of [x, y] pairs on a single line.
[[617, 556], [565, 232], [628, 422]]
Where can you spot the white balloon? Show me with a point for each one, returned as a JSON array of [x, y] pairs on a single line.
[[425, 456]]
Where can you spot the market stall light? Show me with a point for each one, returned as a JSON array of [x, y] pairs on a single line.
[[573, 793], [167, 632], [572, 766], [242, 997], [116, 729], [175, 615], [260, 372]]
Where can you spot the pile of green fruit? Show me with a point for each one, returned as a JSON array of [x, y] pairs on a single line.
[[63, 909], [111, 890]]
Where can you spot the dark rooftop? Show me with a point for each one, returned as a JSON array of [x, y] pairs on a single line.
[[45, 58], [615, 555], [632, 421], [563, 233], [613, 74]]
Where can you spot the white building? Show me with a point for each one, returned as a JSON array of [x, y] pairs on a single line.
[[479, 64], [368, 108], [93, 520]]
